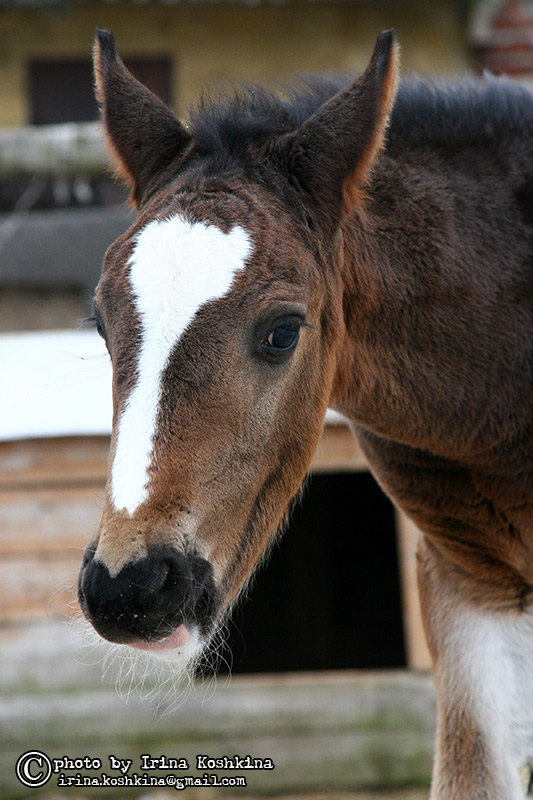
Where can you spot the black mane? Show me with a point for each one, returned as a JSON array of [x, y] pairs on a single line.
[[425, 113]]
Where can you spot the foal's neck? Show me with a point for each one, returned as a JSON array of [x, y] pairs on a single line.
[[432, 335]]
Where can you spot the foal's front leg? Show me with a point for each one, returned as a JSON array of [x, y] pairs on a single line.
[[477, 691]]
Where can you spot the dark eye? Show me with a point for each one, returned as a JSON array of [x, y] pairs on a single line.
[[99, 328], [283, 337], [96, 320]]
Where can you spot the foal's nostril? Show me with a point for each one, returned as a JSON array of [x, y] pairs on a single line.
[[157, 577]]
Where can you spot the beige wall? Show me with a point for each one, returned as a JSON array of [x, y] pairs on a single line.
[[230, 40]]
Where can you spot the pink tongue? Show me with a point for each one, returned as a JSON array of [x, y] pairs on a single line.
[[177, 638]]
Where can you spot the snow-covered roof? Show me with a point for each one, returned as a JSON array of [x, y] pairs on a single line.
[[57, 383], [54, 383]]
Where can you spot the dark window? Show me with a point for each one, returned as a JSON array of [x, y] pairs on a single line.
[[329, 595], [62, 91]]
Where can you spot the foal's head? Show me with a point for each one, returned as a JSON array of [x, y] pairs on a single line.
[[222, 310]]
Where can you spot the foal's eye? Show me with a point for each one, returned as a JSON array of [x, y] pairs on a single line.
[[281, 338], [99, 329], [95, 320]]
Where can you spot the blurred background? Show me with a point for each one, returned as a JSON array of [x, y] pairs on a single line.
[[327, 650], [178, 48]]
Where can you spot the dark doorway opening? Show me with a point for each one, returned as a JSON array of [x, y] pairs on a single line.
[[329, 595], [62, 90]]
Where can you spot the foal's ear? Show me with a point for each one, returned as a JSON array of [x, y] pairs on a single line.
[[333, 152], [143, 133]]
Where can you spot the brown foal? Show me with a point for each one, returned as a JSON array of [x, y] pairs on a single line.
[[352, 245]]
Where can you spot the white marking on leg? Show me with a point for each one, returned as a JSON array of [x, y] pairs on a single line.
[[489, 671], [175, 269]]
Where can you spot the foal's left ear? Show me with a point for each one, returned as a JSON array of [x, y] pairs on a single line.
[[144, 134], [333, 152]]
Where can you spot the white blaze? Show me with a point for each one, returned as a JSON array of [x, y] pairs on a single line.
[[176, 267]]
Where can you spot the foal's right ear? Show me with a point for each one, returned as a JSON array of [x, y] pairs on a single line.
[[333, 152], [143, 133]]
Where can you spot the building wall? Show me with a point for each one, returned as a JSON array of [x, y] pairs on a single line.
[[220, 41]]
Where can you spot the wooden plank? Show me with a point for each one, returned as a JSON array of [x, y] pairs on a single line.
[[338, 451], [53, 461], [33, 588], [418, 656], [48, 521]]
